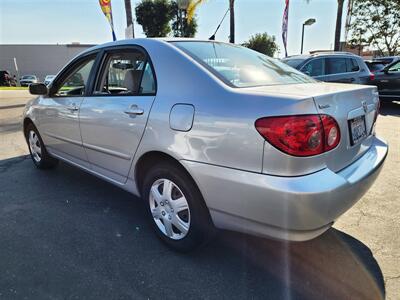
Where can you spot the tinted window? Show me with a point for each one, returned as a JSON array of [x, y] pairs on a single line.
[[293, 62], [123, 73], [335, 65], [76, 82], [241, 67], [373, 66], [148, 85], [314, 68], [352, 65]]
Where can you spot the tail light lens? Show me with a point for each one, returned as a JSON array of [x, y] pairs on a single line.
[[303, 135], [371, 76]]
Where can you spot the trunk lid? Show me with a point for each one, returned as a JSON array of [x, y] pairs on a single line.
[[344, 102]]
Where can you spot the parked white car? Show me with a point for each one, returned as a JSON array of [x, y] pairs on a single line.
[[210, 135], [26, 80], [48, 79]]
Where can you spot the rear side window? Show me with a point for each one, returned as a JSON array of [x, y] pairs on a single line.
[[315, 67], [352, 65], [122, 73], [148, 85], [336, 65]]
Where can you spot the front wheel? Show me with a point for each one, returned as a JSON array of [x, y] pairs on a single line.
[[177, 209], [38, 152]]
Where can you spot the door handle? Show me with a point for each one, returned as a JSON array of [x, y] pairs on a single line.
[[134, 110], [73, 107]]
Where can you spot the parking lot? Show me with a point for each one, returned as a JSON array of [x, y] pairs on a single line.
[[65, 234]]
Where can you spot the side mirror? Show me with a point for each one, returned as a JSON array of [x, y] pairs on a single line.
[[38, 89]]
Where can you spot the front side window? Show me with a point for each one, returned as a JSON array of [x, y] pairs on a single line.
[[126, 73], [395, 67], [314, 68], [335, 65], [241, 67], [76, 82]]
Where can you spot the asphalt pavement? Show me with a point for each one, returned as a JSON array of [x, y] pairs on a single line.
[[65, 234]]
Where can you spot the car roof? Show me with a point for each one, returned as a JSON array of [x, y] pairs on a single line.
[[323, 54], [144, 41]]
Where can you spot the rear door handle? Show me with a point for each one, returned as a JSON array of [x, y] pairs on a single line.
[[134, 110]]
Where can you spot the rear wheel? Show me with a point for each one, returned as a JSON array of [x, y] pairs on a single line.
[[38, 152], [176, 208]]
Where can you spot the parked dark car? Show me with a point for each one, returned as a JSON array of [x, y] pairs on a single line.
[[375, 66], [6, 79], [388, 82], [332, 67], [387, 59]]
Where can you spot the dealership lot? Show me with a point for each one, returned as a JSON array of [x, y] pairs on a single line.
[[67, 234]]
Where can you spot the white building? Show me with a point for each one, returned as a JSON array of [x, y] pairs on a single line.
[[39, 60]]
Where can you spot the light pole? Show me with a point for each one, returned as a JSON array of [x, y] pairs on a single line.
[[306, 23]]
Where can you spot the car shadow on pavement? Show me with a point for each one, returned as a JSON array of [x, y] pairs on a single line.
[[390, 108], [67, 234]]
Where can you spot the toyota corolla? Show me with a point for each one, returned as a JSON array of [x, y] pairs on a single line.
[[210, 135]]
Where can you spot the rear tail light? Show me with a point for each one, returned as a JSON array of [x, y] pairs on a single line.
[[303, 135], [371, 76]]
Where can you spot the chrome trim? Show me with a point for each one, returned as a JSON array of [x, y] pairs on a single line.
[[63, 139], [107, 151]]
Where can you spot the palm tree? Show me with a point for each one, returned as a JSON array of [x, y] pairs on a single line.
[[129, 20], [338, 29], [232, 21], [191, 8]]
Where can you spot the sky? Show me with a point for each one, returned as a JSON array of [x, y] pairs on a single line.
[[66, 21]]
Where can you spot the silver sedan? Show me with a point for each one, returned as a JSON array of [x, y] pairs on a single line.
[[210, 135]]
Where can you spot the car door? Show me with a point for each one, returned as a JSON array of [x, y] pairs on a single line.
[[336, 70], [114, 116], [389, 81], [59, 123]]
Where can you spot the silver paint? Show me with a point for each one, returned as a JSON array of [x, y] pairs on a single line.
[[248, 185]]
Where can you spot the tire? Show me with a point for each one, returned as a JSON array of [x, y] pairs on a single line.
[[37, 150], [165, 188]]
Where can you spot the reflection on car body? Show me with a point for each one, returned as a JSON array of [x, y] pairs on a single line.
[[210, 135]]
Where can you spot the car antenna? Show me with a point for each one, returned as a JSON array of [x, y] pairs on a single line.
[[212, 38]]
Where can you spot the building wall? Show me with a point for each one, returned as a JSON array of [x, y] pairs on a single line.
[[39, 60]]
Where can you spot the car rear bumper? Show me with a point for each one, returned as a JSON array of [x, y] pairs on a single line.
[[290, 208]]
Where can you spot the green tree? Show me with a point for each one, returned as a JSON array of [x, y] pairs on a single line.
[[376, 23], [263, 43], [155, 17]]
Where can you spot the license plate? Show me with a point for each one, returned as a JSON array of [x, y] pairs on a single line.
[[358, 130]]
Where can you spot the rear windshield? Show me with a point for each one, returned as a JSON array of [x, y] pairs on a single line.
[[28, 77], [375, 66], [241, 67]]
